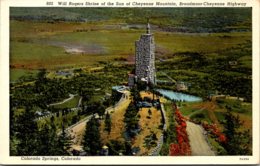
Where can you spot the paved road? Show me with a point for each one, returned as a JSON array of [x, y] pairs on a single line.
[[198, 142], [71, 96], [77, 130], [125, 97]]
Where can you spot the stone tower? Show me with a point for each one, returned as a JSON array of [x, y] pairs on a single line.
[[144, 57]]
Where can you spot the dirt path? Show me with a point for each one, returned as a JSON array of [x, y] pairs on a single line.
[[198, 142], [210, 107]]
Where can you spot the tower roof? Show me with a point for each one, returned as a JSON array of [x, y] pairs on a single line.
[[148, 28]]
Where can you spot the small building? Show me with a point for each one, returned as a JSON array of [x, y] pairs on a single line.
[[64, 73], [131, 80], [104, 150], [181, 86]]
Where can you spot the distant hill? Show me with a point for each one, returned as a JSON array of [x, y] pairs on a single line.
[[170, 19]]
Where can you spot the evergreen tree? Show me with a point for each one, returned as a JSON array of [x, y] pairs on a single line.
[[238, 141], [131, 120], [44, 138], [13, 139], [149, 112], [43, 141], [59, 144], [26, 134], [128, 148], [108, 123], [91, 141], [136, 95], [63, 144]]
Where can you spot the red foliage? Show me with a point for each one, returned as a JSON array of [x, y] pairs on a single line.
[[213, 129], [183, 124], [180, 139], [222, 138], [174, 149], [182, 148]]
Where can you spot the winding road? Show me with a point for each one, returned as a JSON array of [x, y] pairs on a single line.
[[198, 142], [71, 96], [76, 131]]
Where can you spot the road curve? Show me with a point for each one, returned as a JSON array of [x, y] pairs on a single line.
[[198, 142], [77, 130]]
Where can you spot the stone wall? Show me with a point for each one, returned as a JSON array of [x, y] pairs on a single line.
[[144, 58]]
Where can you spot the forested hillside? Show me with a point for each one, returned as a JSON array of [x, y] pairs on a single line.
[[170, 19]]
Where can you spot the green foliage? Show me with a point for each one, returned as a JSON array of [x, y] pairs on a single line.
[[207, 72], [69, 104], [36, 96], [201, 116], [239, 142], [25, 132], [170, 135], [53, 144], [91, 141], [118, 42], [117, 147], [115, 97], [150, 141], [29, 140], [95, 107], [236, 106], [75, 119], [186, 111], [231, 84], [131, 120], [184, 19], [216, 146], [220, 116], [135, 92], [64, 143], [46, 91], [108, 123], [141, 85], [22, 75]]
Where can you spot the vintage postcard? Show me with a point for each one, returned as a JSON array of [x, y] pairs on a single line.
[[129, 82]]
